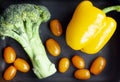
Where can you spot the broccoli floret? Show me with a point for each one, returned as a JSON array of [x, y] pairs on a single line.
[[21, 22]]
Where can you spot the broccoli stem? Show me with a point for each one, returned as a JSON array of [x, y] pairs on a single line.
[[40, 60], [42, 65]]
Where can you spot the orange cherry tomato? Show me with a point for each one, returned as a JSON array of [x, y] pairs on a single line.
[[82, 74], [10, 73], [21, 65], [53, 47], [56, 27], [98, 65], [64, 64], [9, 54], [78, 62]]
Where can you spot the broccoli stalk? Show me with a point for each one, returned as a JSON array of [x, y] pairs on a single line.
[[21, 22]]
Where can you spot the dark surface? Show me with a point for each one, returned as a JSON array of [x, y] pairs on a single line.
[[63, 10]]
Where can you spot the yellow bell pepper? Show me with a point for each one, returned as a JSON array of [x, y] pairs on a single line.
[[90, 29]]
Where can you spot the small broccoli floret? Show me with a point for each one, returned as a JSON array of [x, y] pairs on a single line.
[[21, 22]]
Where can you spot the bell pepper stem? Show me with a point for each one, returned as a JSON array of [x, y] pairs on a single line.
[[111, 8]]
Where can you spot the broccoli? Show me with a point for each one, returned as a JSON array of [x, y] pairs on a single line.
[[21, 22]]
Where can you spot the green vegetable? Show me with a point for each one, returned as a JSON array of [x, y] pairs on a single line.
[[21, 22]]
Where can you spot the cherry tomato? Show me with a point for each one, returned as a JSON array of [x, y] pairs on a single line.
[[98, 65], [10, 73], [64, 64], [78, 62], [9, 54], [56, 27], [53, 47], [21, 65], [82, 74]]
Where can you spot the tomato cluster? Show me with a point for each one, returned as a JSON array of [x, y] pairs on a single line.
[[18, 63]]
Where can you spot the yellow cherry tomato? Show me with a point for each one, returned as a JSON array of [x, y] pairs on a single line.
[[98, 65], [10, 73], [9, 55], [53, 47], [56, 27], [82, 74], [78, 62], [21, 65], [64, 64]]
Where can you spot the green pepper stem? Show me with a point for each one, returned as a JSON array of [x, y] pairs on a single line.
[[112, 8]]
